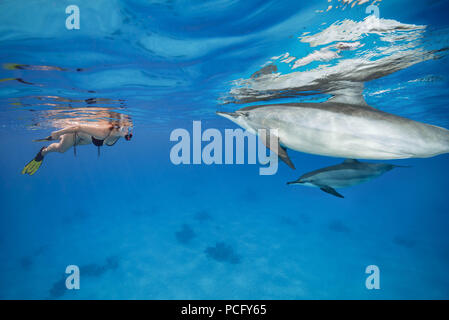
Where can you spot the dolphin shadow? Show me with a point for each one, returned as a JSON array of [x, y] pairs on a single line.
[[27, 262], [97, 270], [185, 235], [287, 221], [202, 216], [223, 252], [404, 242], [304, 218], [338, 226], [58, 290]]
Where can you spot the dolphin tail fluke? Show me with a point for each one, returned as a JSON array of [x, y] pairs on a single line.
[[331, 191], [280, 150]]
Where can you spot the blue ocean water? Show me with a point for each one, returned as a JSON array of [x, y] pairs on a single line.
[[140, 227]]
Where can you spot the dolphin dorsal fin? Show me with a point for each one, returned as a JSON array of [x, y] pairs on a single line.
[[351, 161]]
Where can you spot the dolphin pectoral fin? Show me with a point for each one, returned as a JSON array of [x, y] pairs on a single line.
[[281, 151], [331, 191]]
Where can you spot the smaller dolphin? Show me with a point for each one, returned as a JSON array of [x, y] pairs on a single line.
[[349, 173]]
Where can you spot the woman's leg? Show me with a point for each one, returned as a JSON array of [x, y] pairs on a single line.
[[67, 141]]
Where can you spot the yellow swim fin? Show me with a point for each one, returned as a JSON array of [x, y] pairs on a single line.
[[32, 166], [11, 66]]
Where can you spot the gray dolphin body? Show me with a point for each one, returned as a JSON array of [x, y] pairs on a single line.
[[343, 130], [349, 173]]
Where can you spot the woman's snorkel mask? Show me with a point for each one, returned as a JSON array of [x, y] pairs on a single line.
[[129, 135]]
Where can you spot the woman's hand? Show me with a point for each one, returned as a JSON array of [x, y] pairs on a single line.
[[54, 135]]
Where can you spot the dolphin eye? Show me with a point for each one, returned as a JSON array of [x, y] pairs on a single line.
[[245, 114]]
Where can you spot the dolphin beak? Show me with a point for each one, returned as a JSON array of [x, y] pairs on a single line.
[[228, 115], [295, 182]]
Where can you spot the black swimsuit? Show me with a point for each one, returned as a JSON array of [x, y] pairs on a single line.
[[97, 142]]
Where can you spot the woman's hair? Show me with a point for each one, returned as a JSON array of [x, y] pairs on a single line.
[[120, 120]]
